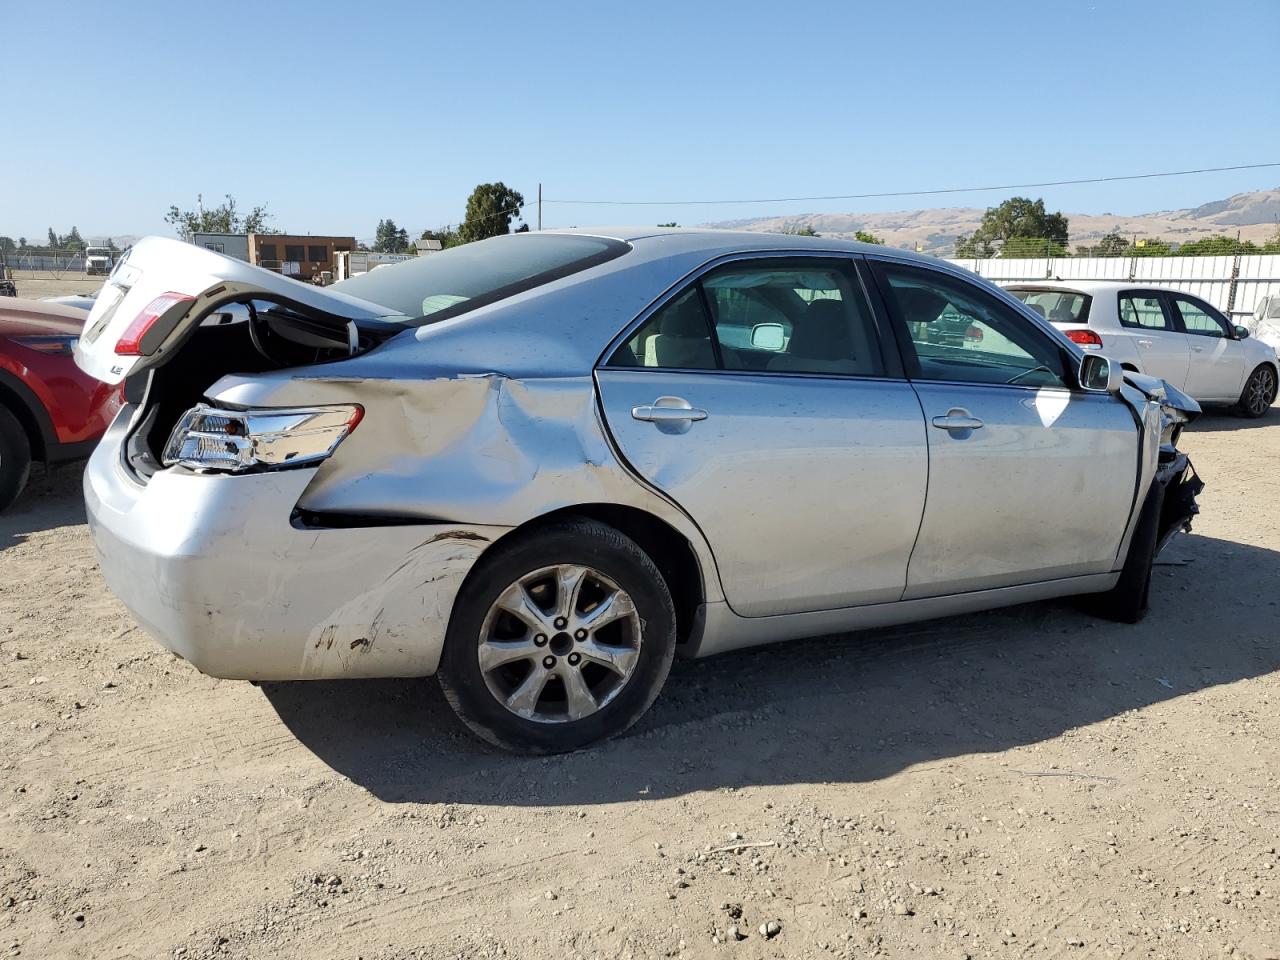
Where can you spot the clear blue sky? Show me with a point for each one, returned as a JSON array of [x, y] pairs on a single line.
[[338, 114]]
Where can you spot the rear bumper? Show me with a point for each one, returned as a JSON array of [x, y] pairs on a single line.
[[214, 569]]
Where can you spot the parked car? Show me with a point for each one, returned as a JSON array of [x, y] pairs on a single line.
[[532, 466], [49, 409], [1165, 333]]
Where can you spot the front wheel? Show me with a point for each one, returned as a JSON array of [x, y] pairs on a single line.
[[561, 638], [1259, 392], [15, 458]]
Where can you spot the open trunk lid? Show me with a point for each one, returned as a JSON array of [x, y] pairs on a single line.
[[160, 289]]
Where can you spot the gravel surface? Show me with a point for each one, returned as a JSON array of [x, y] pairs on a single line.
[[1025, 783]]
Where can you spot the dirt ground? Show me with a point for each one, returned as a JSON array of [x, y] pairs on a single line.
[[35, 285], [1025, 783]]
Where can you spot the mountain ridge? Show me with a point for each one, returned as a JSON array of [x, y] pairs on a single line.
[[1254, 214]]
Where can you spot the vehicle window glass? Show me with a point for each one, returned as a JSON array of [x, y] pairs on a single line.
[[1057, 306], [676, 337], [1197, 320], [1142, 313], [267, 251], [293, 252], [463, 278], [316, 253], [962, 333], [1273, 309], [794, 317]]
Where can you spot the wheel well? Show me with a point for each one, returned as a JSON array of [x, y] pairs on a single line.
[[666, 546], [24, 416], [1130, 366]]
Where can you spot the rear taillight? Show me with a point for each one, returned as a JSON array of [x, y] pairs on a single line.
[[973, 334], [130, 342], [1086, 338], [236, 441]]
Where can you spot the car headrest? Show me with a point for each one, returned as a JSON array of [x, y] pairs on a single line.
[[822, 333], [684, 318]]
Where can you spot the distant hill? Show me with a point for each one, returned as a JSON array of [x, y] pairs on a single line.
[[1255, 215]]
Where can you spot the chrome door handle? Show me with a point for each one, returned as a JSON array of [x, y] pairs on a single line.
[[1144, 343], [957, 418], [1198, 349], [668, 410]]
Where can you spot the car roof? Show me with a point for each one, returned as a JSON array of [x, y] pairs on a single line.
[[1079, 286], [715, 242]]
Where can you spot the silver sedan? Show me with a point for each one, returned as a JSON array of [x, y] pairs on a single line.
[[540, 466]]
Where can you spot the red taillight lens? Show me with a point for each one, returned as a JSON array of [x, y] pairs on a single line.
[[130, 342], [973, 334], [1086, 338]]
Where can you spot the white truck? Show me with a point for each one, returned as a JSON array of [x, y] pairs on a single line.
[[97, 261]]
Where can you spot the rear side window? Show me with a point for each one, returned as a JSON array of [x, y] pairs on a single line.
[[765, 316], [463, 278], [1057, 306], [1142, 312]]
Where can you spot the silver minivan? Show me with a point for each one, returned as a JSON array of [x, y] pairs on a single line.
[[539, 466]]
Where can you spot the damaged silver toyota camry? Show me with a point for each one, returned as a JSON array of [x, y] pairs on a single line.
[[541, 465]]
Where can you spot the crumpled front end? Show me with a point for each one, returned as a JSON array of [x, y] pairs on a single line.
[[1166, 410]]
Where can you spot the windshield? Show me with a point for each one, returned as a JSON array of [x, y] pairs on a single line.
[[442, 285], [1056, 306], [98, 252]]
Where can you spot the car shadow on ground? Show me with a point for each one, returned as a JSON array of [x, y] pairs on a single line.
[[851, 708], [52, 498], [1221, 420]]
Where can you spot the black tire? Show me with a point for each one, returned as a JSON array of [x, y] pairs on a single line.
[[1259, 392], [15, 458], [581, 542], [1126, 602]]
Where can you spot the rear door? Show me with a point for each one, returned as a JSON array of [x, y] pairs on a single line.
[[1029, 479], [1148, 319], [783, 427], [1217, 359]]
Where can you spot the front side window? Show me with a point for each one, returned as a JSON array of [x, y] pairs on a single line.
[[783, 316], [1199, 321], [961, 333], [1142, 312]]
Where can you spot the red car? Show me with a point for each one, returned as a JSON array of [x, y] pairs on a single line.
[[49, 409]]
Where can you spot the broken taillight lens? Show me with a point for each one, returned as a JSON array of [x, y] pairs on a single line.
[[1086, 338], [235, 441], [130, 342]]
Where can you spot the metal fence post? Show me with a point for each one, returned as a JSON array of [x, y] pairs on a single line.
[[1231, 288]]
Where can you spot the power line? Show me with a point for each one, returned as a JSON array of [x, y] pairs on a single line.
[[917, 193]]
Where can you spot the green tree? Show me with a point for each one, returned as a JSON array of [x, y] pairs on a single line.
[[1019, 227], [865, 237], [390, 238], [224, 218], [1216, 246], [490, 209], [73, 240], [7, 245], [1270, 245], [1111, 245], [805, 231], [22, 243], [53, 239], [1145, 247], [448, 236], [671, 224]]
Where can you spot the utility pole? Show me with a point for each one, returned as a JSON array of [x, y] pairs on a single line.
[[539, 208]]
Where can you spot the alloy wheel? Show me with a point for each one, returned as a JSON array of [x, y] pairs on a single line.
[[1262, 391], [559, 643]]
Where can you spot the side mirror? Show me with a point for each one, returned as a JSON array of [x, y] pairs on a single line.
[[768, 336], [1242, 333], [1100, 375]]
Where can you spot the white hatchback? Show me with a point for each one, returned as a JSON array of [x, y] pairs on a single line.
[[1162, 333]]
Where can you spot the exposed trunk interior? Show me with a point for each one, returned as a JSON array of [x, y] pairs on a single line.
[[239, 339]]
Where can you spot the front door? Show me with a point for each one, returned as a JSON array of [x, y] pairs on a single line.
[[1217, 361], [781, 428], [1029, 479]]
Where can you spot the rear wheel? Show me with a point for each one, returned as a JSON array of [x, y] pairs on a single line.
[[1259, 392], [559, 639], [1127, 601], [15, 458]]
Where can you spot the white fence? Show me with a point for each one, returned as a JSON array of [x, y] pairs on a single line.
[[1233, 284]]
